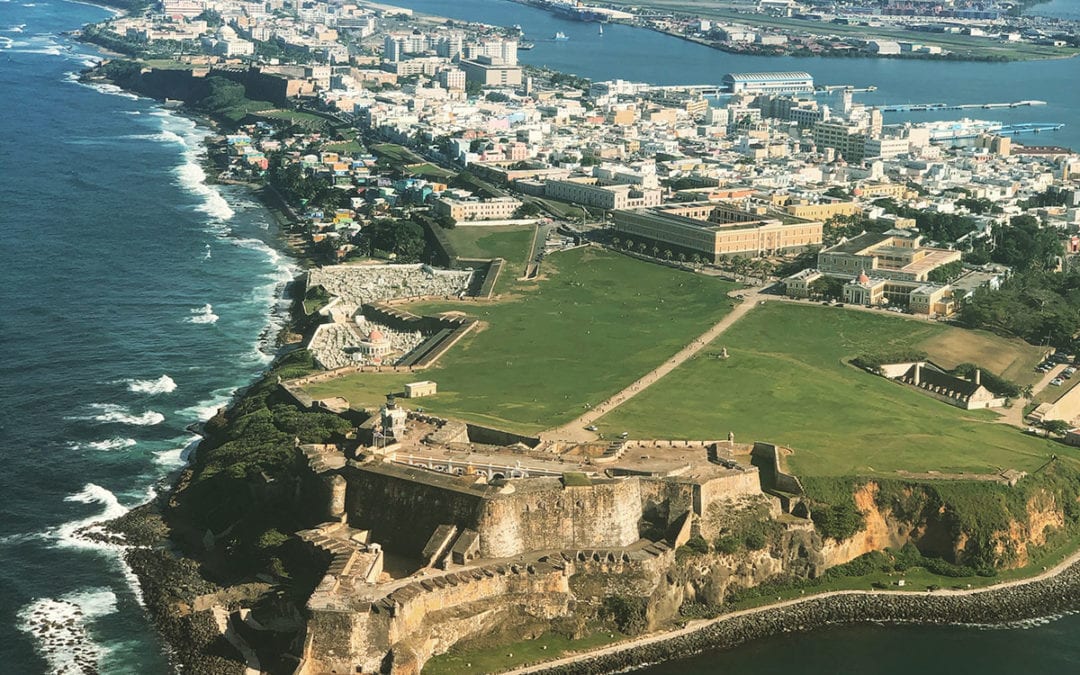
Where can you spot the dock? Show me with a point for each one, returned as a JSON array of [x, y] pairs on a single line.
[[927, 107]]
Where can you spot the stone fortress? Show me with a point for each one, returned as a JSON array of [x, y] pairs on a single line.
[[437, 531]]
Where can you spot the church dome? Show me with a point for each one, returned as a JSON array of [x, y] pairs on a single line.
[[376, 336], [863, 279]]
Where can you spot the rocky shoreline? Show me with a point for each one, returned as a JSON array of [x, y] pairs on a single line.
[[1052, 593]]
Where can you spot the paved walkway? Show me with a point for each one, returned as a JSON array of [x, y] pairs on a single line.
[[700, 624], [575, 431]]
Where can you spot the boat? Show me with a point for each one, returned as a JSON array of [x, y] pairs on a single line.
[[601, 29], [526, 45], [560, 37]]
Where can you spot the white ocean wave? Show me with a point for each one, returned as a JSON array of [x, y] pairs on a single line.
[[164, 137], [59, 628], [204, 314], [204, 410], [110, 89], [16, 29], [178, 456], [114, 443], [162, 385], [112, 413], [72, 534], [190, 174]]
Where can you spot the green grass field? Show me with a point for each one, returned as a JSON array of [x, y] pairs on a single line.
[[429, 170], [787, 381], [509, 242], [546, 349]]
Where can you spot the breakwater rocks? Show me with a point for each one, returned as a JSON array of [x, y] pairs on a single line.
[[1039, 597]]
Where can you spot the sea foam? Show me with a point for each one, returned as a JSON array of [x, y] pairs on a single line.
[[59, 628], [204, 314], [162, 385], [115, 443], [112, 413]]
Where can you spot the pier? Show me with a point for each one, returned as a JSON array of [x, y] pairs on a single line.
[[926, 107]]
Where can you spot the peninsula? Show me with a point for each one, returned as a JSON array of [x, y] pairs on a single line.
[[605, 372]]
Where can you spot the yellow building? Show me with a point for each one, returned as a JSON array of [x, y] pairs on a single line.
[[896, 254], [823, 211], [499, 208], [717, 231]]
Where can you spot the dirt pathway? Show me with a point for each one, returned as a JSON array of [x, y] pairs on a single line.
[[575, 430]]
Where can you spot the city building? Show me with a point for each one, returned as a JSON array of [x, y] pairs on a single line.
[[896, 254], [488, 74], [452, 79], [499, 208], [588, 192], [787, 82], [718, 230]]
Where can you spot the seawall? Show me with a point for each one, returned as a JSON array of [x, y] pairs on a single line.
[[1053, 592]]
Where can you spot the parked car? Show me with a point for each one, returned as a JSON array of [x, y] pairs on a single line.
[[1057, 381]]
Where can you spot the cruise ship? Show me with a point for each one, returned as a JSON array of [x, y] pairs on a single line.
[[576, 11]]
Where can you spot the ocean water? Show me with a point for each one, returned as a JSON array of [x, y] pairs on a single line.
[[134, 299]]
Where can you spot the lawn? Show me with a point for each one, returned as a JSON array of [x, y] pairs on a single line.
[[1012, 358], [787, 381], [593, 325], [397, 154], [512, 243], [429, 170]]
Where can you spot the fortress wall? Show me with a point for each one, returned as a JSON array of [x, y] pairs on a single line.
[[426, 602], [403, 506], [743, 483], [766, 457], [489, 436], [602, 515], [619, 574], [434, 612], [663, 502]]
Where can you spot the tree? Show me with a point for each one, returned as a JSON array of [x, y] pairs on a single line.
[[827, 287], [527, 210], [1057, 427], [667, 254]]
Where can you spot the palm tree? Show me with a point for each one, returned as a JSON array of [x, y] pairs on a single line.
[[667, 254], [615, 242], [682, 257], [655, 251]]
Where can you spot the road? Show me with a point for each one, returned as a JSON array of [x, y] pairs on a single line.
[[575, 431]]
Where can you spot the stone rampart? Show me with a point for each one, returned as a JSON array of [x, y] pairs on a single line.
[[489, 436], [402, 506], [428, 615], [545, 514], [766, 457]]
